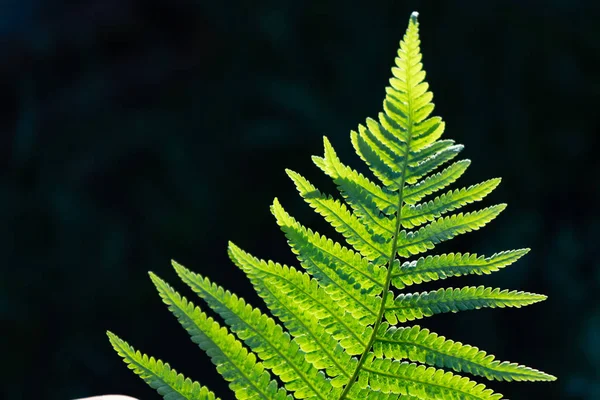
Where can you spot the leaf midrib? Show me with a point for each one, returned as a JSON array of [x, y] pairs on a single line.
[[388, 278]]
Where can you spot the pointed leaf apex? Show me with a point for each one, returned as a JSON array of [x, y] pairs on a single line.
[[414, 17], [155, 279]]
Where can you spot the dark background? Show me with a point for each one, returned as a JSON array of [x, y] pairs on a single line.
[[134, 132]]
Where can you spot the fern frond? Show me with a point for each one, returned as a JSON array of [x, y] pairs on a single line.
[[427, 132], [297, 289], [416, 157], [420, 345], [390, 153], [247, 377], [264, 336], [408, 307], [390, 177], [416, 215], [422, 382], [443, 266], [414, 172], [446, 228], [385, 200], [365, 208], [351, 265], [433, 183], [334, 269], [370, 202], [158, 375], [374, 248], [389, 143], [322, 350], [333, 338]]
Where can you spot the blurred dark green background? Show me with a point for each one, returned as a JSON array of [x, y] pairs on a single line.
[[136, 131]]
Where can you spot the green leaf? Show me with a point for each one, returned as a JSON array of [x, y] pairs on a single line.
[[332, 338], [408, 307], [263, 335], [247, 377], [420, 345], [414, 172], [348, 264], [432, 268], [414, 193], [443, 229], [158, 375], [348, 279], [417, 380], [385, 200], [321, 348], [416, 215], [390, 177], [374, 248]]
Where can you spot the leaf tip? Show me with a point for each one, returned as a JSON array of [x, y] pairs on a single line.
[[414, 17], [293, 175], [155, 279]]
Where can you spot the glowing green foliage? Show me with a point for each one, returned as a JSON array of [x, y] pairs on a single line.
[[334, 336], [159, 375]]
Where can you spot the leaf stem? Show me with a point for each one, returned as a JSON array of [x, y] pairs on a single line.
[[388, 278]]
